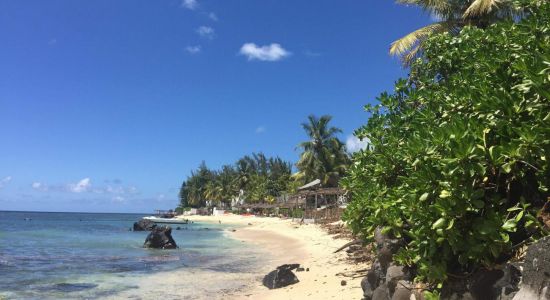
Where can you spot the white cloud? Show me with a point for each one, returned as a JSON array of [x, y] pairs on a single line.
[[193, 49], [206, 32], [260, 129], [5, 181], [190, 4], [161, 198], [212, 16], [81, 186], [353, 144], [118, 199], [273, 52], [39, 186]]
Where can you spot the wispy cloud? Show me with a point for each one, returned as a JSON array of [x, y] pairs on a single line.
[[112, 187], [118, 199], [260, 130], [190, 4], [212, 16], [311, 53], [193, 49], [5, 181], [39, 186], [206, 32], [273, 52], [117, 190], [161, 198], [353, 144], [83, 185]]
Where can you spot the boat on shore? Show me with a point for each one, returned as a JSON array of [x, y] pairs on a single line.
[[166, 220]]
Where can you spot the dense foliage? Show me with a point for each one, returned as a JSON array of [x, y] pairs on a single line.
[[252, 178], [458, 157]]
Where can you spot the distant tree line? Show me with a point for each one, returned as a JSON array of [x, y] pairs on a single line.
[[258, 178]]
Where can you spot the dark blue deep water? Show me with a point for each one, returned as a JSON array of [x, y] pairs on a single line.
[[92, 255]]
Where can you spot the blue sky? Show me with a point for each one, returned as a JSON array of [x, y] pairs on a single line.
[[106, 106]]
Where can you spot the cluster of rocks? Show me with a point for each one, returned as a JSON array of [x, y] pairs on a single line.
[[525, 280], [159, 237], [386, 280]]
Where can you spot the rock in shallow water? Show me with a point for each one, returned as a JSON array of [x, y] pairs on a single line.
[[160, 238], [144, 225]]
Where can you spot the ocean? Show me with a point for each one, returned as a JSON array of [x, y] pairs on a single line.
[[95, 255]]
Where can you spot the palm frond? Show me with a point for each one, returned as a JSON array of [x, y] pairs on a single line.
[[410, 56], [480, 7], [408, 42]]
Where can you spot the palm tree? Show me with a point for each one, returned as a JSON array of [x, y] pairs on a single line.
[[453, 15], [324, 156]]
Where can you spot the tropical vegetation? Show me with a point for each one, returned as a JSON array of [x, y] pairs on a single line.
[[452, 16], [253, 178], [323, 156], [257, 178], [458, 162]]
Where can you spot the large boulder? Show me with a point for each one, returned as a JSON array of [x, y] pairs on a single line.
[[281, 277], [144, 225], [160, 238], [381, 293], [535, 281]]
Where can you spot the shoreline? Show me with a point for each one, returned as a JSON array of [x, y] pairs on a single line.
[[288, 242]]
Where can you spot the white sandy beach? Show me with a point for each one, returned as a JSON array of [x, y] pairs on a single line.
[[288, 242]]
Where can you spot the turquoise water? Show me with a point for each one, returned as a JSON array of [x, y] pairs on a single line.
[[88, 255]]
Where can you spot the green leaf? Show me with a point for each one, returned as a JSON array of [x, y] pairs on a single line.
[[440, 223], [478, 204], [451, 224], [519, 216], [507, 167], [424, 197], [444, 194], [510, 225]]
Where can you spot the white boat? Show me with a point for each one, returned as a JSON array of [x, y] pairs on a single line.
[[166, 220]]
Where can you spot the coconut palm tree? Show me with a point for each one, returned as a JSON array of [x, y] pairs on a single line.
[[324, 156], [453, 16]]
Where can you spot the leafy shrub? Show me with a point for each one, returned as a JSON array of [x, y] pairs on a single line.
[[458, 157]]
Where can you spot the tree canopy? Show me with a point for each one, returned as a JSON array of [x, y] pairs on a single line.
[[253, 178], [323, 156]]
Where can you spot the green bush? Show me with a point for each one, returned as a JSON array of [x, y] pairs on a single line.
[[458, 157]]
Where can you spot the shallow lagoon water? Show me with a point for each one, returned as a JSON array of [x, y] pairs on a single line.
[[85, 255]]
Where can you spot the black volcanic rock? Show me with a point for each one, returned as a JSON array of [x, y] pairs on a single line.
[[144, 225], [281, 277], [160, 238]]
